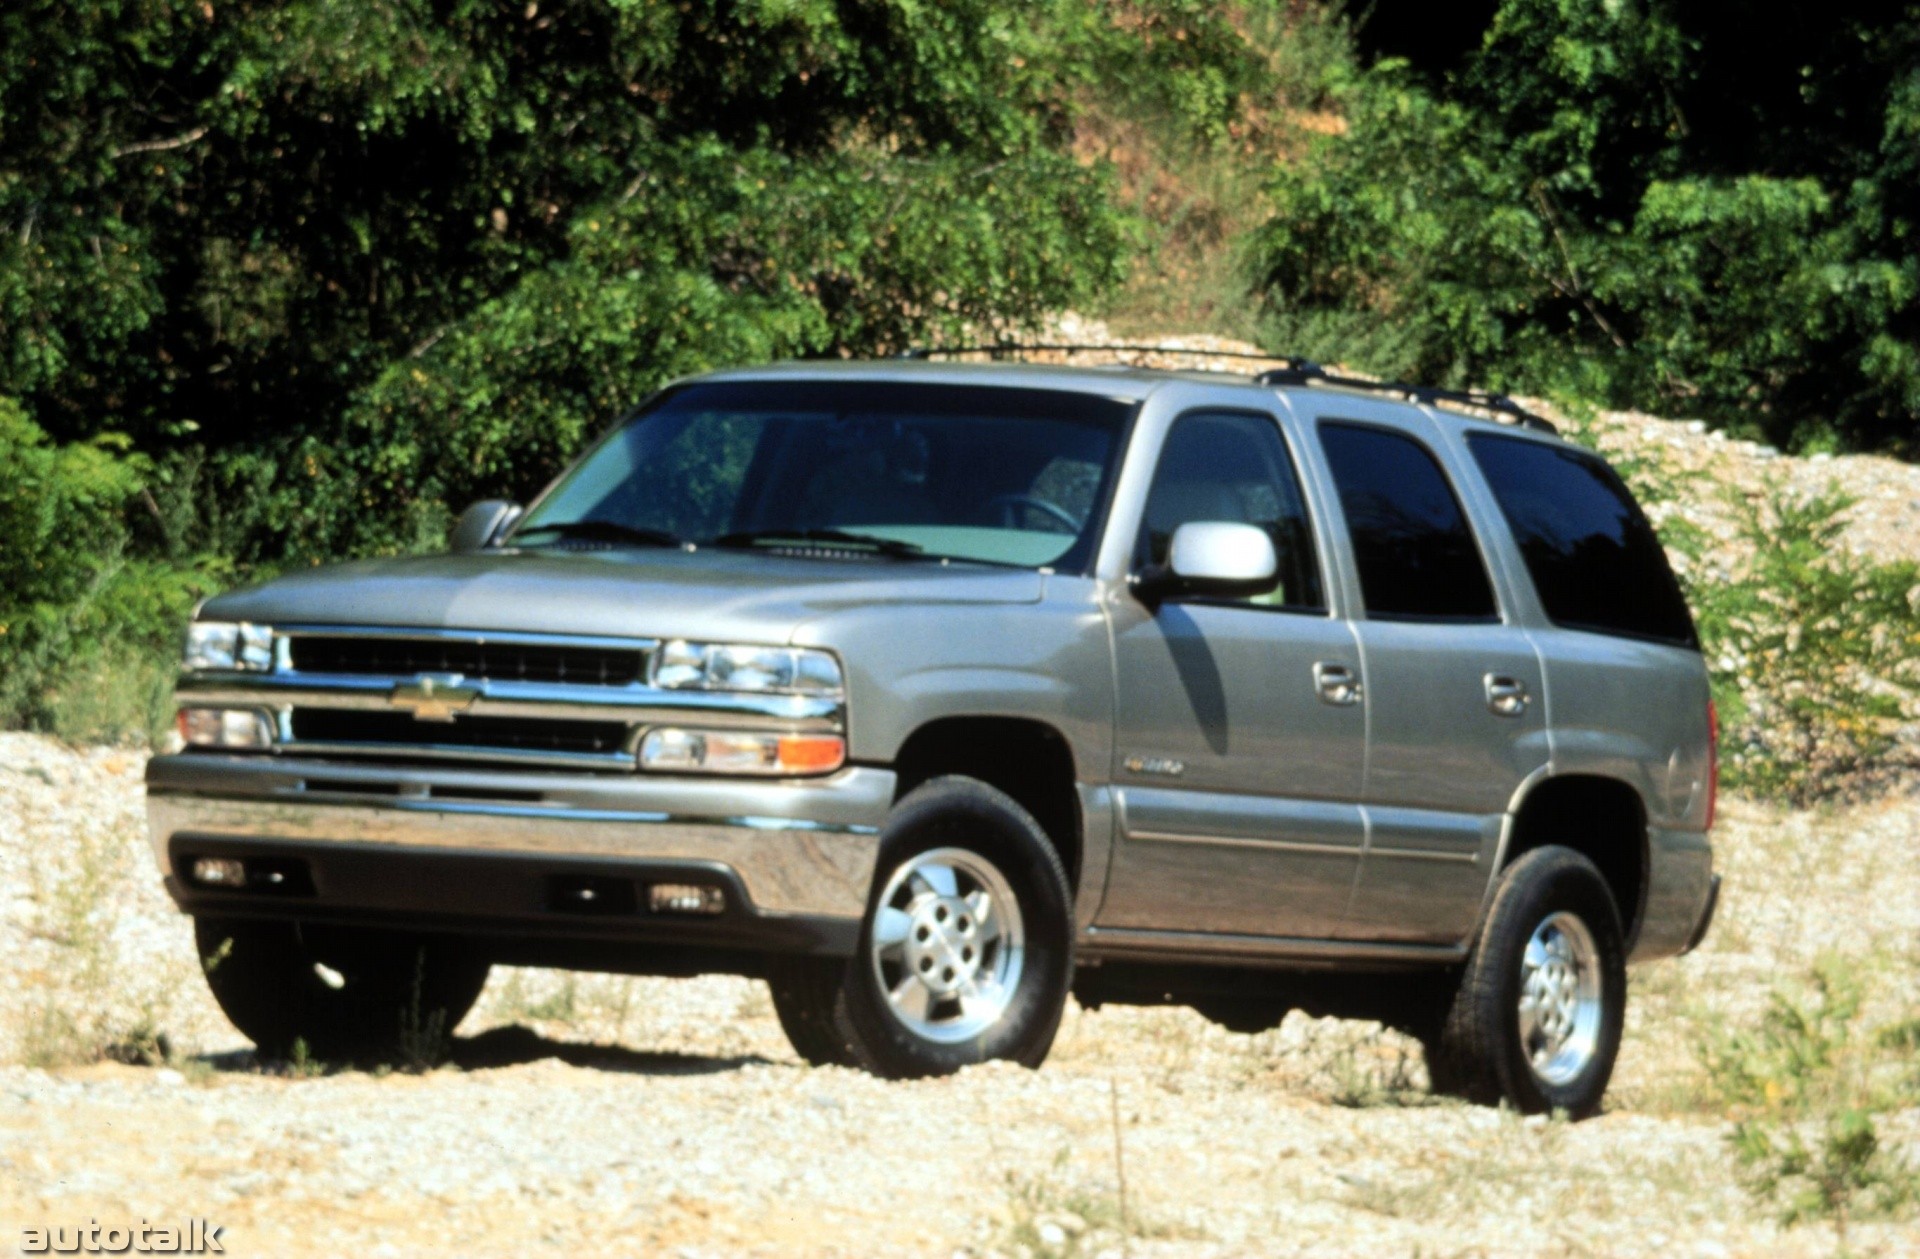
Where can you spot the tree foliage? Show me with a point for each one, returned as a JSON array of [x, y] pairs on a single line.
[[330, 268], [370, 253], [1640, 202]]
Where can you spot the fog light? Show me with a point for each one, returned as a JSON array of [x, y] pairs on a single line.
[[685, 898], [219, 872], [732, 752], [226, 728]]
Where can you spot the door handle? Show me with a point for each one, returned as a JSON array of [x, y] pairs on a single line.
[[1506, 697], [1336, 683]]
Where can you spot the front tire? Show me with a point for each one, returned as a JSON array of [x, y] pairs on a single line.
[[1536, 1016], [345, 994], [966, 953]]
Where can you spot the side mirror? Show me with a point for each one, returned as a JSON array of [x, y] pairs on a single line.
[[1213, 557], [481, 523]]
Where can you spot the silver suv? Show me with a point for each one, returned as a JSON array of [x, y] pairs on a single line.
[[933, 692]]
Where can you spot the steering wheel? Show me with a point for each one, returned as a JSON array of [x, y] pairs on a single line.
[[1010, 504]]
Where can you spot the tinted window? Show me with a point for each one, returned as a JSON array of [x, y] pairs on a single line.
[[1593, 556], [1234, 468], [1411, 543], [999, 476]]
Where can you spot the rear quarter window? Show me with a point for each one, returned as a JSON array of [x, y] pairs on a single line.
[[1590, 550]]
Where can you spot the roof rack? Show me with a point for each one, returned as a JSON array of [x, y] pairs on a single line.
[[1293, 371], [1006, 349], [1427, 395]]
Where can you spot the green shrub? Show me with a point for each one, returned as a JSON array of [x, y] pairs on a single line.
[[1815, 651], [61, 542], [1804, 1087], [89, 637]]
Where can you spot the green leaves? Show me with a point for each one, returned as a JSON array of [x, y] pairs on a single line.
[[1815, 651], [732, 258], [1804, 1086], [395, 253], [59, 511], [336, 267], [1616, 200]]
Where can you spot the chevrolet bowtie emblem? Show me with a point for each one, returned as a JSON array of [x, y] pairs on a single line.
[[434, 698]]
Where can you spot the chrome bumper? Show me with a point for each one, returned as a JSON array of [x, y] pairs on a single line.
[[796, 848]]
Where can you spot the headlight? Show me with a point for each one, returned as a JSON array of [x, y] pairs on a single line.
[[680, 665], [229, 645], [732, 752]]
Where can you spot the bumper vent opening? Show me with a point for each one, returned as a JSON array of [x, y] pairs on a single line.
[[518, 734], [485, 795], [352, 786]]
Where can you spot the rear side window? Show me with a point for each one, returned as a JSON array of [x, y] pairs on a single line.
[[1594, 558], [1411, 541]]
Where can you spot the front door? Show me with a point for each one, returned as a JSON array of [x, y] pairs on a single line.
[[1239, 750]]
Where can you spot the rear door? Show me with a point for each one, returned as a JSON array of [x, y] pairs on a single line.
[[1237, 773], [1622, 659], [1454, 691]]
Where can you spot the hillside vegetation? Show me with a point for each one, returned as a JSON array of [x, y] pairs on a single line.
[[285, 282]]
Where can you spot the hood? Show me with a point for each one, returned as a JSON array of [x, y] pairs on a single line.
[[717, 595]]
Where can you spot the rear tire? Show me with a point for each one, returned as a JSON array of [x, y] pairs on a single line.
[[347, 995], [1536, 1015], [966, 953]]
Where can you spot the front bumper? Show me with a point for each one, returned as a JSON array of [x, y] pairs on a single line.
[[472, 850]]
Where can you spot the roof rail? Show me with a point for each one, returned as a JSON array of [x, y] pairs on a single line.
[[1008, 349], [1427, 395], [1293, 371]]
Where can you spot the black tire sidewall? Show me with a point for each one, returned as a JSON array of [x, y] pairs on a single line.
[[265, 982], [967, 814], [806, 992], [1542, 883]]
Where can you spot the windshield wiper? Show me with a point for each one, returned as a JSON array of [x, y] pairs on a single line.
[[606, 530], [883, 546]]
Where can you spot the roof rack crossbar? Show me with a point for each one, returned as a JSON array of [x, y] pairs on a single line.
[[1008, 349], [1426, 395]]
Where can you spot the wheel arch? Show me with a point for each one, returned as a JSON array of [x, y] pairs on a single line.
[[1603, 819], [1029, 760]]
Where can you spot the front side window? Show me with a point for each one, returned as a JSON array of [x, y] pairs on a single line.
[[1411, 541], [1234, 468], [996, 476], [1592, 554]]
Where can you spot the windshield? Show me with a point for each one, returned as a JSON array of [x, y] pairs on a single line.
[[997, 476]]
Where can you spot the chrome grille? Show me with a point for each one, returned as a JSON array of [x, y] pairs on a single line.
[[548, 700]]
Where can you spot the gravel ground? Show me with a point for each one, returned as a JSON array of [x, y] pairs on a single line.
[[636, 1116]]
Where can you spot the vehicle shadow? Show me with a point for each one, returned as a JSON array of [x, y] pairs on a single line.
[[513, 1046], [517, 1046]]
